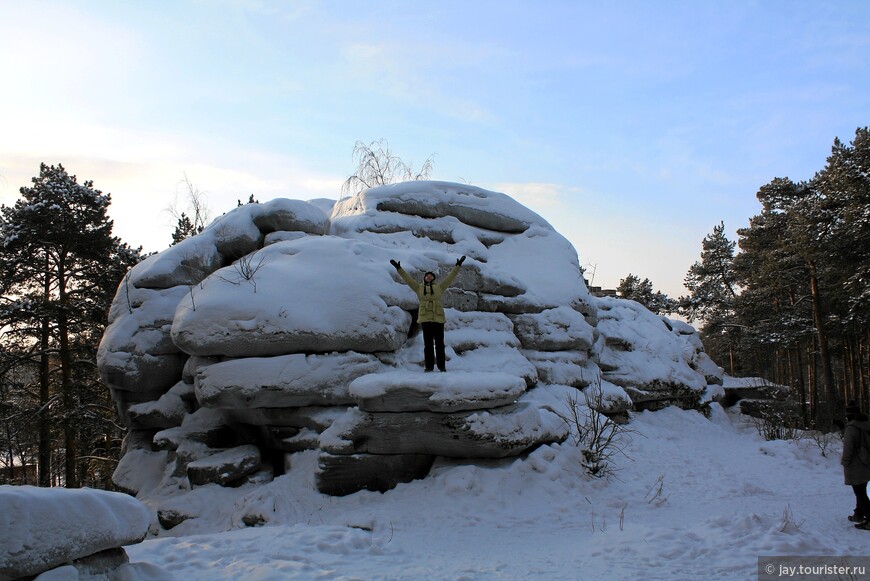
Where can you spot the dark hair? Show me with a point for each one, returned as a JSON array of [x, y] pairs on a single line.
[[853, 412]]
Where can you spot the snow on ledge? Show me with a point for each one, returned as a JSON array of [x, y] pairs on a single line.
[[442, 386]]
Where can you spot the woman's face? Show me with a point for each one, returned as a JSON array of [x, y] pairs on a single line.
[[429, 278]]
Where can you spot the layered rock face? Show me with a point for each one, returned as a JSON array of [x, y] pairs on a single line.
[[280, 329]]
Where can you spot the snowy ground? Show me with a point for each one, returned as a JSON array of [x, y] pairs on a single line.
[[698, 499]]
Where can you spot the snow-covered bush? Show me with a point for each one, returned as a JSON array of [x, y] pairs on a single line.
[[599, 438]]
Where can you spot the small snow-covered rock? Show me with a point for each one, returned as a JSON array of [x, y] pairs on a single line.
[[282, 214], [290, 440], [467, 331], [564, 367], [193, 365], [47, 527], [559, 329], [166, 412], [235, 234], [205, 426], [140, 470], [713, 374], [225, 467], [606, 398], [476, 277], [342, 475], [170, 518], [494, 358], [183, 264]]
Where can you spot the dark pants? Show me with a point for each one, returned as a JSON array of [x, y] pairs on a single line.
[[433, 345], [863, 503]]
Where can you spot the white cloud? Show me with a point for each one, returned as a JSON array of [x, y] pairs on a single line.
[[143, 170]]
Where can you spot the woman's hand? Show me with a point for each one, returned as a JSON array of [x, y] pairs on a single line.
[[398, 265], [460, 261]]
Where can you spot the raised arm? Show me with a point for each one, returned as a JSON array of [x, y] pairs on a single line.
[[452, 276], [405, 276]]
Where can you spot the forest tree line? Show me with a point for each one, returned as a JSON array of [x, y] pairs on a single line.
[[793, 305], [59, 268]]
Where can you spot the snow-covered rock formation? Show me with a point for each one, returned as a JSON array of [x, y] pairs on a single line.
[[281, 329]]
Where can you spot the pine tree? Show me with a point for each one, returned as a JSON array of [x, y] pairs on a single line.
[[632, 288], [845, 184], [184, 229], [712, 285], [60, 266], [712, 281], [774, 306]]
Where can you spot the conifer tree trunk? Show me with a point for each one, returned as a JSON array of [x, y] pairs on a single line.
[[824, 353], [799, 380], [859, 364], [812, 379], [67, 388], [849, 368], [44, 454]]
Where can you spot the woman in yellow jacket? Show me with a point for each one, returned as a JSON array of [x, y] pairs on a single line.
[[431, 316]]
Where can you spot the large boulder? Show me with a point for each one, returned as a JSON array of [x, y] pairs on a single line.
[[470, 205], [312, 295], [286, 381], [44, 528], [497, 433]]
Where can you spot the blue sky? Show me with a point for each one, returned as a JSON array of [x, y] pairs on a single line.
[[633, 127]]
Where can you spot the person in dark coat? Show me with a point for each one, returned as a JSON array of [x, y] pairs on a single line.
[[856, 463], [431, 316]]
